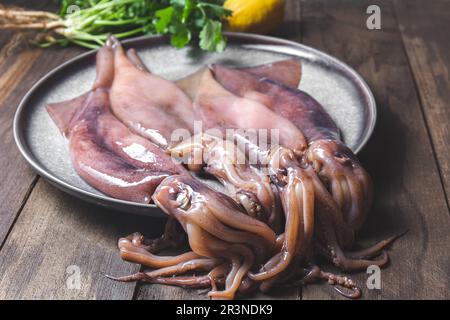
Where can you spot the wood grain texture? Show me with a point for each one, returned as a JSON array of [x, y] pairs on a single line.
[[20, 66], [55, 231], [425, 34], [291, 27], [408, 191]]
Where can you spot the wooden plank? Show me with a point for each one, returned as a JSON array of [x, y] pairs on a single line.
[[22, 71], [55, 231], [425, 34], [408, 192], [291, 26], [18, 71]]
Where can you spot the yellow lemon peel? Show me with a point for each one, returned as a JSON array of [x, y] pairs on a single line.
[[257, 16]]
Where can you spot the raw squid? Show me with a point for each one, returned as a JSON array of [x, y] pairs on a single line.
[[105, 152], [336, 165], [248, 185], [120, 136], [220, 109], [149, 105], [155, 108], [287, 71], [334, 162], [225, 242], [306, 201]]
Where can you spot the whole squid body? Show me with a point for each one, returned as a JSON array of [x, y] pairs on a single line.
[[157, 109], [336, 165], [104, 152], [225, 242]]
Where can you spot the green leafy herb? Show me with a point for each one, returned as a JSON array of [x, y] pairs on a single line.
[[180, 35], [163, 19], [88, 23], [211, 38]]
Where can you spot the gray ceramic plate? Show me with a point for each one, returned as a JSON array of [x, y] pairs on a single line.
[[339, 88]]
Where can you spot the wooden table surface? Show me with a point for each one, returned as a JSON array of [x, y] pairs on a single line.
[[43, 231]]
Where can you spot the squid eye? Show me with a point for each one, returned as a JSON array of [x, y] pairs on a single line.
[[339, 155], [283, 172], [250, 203], [184, 199], [280, 178]]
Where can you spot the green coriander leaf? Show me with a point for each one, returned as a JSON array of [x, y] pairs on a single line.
[[181, 35], [211, 38], [164, 18]]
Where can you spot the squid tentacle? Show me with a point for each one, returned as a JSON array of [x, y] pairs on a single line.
[[375, 249], [313, 273], [292, 234], [233, 284], [348, 264], [213, 226], [203, 264], [279, 279], [130, 250], [171, 238], [334, 252], [189, 282], [218, 272], [338, 282], [298, 204], [186, 201], [244, 223], [350, 185], [212, 246]]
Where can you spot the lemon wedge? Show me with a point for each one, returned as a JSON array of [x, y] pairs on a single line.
[[256, 16]]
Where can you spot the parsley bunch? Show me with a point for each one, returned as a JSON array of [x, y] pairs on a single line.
[[88, 23]]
